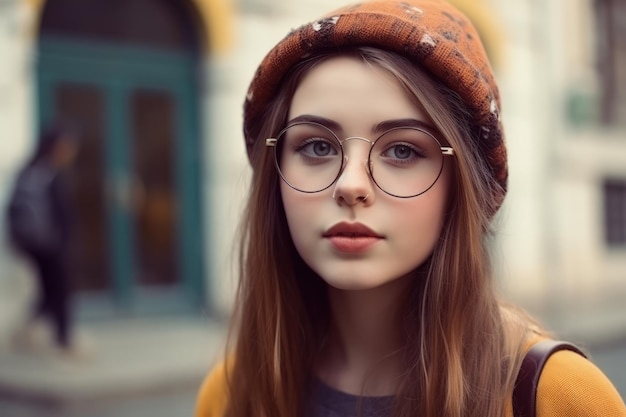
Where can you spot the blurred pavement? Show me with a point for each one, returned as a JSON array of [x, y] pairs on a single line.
[[130, 358], [594, 327]]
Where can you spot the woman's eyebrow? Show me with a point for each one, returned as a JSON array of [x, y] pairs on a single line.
[[392, 124], [328, 123], [378, 128]]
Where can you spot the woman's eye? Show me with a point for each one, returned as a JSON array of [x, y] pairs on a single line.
[[317, 148], [401, 152]]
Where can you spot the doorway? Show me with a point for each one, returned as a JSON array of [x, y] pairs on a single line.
[[126, 75]]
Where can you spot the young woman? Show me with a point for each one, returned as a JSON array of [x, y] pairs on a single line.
[[366, 286]]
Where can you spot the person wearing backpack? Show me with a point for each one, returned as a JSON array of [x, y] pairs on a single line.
[[38, 221]]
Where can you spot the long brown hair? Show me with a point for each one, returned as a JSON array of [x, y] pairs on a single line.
[[462, 347]]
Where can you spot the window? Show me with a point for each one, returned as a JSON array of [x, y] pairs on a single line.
[[611, 53], [615, 212]]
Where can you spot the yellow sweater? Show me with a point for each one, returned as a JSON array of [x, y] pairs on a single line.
[[570, 386]]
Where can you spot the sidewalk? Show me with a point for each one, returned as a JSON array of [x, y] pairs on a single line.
[[130, 357], [592, 327]]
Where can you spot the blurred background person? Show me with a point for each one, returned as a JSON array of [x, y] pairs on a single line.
[[39, 218]]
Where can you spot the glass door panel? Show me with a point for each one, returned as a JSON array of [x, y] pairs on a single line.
[[88, 255], [155, 210]]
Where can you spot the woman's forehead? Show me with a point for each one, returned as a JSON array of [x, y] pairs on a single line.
[[353, 93]]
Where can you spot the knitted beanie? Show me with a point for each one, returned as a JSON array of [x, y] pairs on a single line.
[[431, 33]]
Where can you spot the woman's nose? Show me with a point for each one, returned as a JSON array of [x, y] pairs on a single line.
[[354, 184]]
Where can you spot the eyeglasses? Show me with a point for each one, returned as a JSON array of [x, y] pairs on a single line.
[[403, 162]]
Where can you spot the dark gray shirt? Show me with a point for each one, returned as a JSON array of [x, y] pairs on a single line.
[[328, 402]]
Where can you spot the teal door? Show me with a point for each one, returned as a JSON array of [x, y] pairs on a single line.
[[137, 238]]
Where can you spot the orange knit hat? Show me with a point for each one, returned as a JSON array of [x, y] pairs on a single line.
[[431, 33]]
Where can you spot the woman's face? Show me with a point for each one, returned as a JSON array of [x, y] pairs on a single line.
[[351, 242]]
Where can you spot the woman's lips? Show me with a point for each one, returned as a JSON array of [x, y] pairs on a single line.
[[351, 237]]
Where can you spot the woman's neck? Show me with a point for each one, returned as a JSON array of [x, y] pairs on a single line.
[[362, 352]]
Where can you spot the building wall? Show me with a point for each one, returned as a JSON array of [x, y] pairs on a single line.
[[550, 250], [15, 87], [553, 241], [15, 122]]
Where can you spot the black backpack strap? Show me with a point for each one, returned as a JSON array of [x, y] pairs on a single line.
[[525, 391]]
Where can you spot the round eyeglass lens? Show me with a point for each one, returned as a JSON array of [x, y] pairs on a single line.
[[406, 162], [308, 156]]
